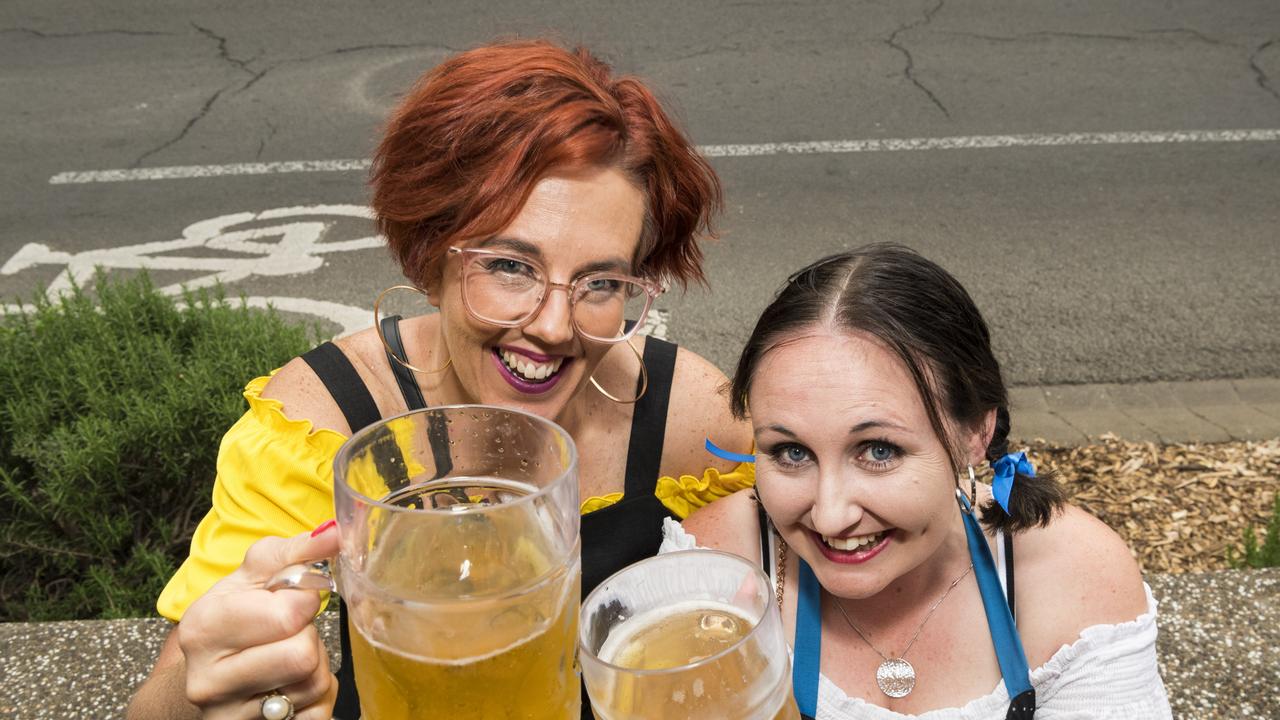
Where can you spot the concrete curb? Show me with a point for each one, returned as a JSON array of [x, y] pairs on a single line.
[[1219, 649], [1163, 412]]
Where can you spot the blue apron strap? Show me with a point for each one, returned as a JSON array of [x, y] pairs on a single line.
[[1004, 635], [807, 647]]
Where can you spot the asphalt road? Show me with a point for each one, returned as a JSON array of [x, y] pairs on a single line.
[[1100, 261]]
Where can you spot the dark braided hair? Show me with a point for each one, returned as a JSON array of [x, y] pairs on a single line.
[[927, 319]]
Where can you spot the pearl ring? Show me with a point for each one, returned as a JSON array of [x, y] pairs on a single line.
[[277, 707]]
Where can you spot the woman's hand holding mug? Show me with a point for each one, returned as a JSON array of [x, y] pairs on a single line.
[[244, 643]]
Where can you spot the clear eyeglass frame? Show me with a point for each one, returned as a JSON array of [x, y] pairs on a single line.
[[469, 256]]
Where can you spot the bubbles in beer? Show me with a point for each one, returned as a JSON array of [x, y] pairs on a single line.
[[482, 598]]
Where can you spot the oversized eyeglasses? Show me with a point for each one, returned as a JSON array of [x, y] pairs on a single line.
[[509, 291]]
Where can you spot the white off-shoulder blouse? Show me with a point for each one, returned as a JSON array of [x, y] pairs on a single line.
[[1110, 671]]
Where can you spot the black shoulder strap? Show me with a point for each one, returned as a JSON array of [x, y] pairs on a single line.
[[344, 384], [404, 376], [1008, 575], [649, 420], [348, 390]]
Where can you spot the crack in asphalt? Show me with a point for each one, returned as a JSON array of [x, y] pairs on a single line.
[[243, 65], [86, 33], [339, 51], [1259, 74], [909, 71], [705, 53], [262, 142], [255, 76], [204, 110], [1188, 31], [223, 54], [377, 46]]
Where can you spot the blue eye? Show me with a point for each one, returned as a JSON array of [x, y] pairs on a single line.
[[880, 453], [507, 266], [608, 285], [790, 456]]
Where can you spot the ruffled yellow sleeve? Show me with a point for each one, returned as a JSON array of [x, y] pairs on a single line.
[[687, 493], [275, 477]]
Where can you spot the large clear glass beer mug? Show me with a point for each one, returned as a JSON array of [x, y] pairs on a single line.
[[460, 565], [691, 634]]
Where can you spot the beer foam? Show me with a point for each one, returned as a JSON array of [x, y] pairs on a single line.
[[623, 634]]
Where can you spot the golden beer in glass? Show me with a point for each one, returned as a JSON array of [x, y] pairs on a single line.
[[460, 565], [691, 634]]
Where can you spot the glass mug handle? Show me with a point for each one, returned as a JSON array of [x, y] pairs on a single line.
[[306, 576]]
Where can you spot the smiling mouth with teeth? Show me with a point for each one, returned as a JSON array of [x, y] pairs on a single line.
[[854, 543], [527, 369]]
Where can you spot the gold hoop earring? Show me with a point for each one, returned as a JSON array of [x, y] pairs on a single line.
[[644, 381], [377, 326]]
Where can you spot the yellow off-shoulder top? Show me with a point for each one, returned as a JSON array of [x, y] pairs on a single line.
[[275, 477]]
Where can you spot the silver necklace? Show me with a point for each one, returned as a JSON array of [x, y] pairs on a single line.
[[895, 676]]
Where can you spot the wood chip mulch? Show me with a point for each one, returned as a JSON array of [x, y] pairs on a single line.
[[1179, 506]]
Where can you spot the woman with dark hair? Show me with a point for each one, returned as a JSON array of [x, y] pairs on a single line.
[[540, 204], [908, 588]]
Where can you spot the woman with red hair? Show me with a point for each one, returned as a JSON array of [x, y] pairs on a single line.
[[539, 203]]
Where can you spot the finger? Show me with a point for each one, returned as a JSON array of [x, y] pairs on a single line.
[[315, 690], [322, 709], [258, 670], [220, 624], [270, 554]]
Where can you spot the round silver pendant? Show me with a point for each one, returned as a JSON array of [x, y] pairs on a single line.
[[896, 677]]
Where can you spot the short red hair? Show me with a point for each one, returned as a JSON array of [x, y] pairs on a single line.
[[464, 149]]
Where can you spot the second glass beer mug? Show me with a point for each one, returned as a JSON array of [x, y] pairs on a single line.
[[460, 564], [691, 634]]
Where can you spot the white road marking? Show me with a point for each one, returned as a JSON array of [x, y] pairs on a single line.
[[182, 172], [818, 147], [292, 242], [280, 242], [655, 324], [349, 318], [987, 142]]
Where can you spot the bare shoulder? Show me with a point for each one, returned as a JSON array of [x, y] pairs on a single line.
[[1073, 574], [699, 410], [731, 524], [305, 397]]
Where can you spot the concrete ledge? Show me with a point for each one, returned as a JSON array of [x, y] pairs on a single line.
[[1162, 412], [1219, 653]]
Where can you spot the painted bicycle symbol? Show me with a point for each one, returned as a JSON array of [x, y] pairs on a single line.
[[273, 243]]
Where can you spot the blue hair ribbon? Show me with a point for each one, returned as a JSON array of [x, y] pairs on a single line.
[[1006, 468], [728, 454]]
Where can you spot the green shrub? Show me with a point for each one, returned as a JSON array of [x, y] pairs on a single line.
[[111, 410], [1259, 556]]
